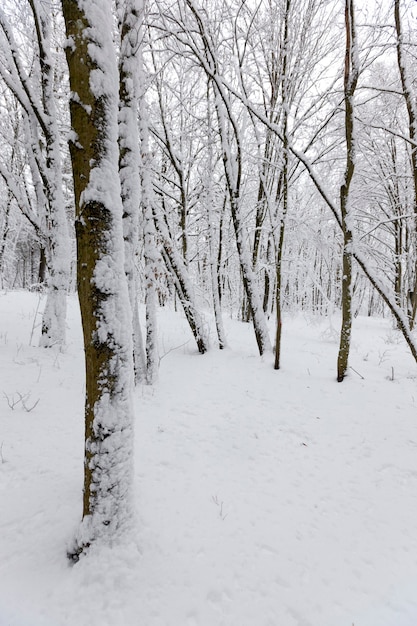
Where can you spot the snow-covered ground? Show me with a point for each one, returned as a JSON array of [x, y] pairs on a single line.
[[263, 498]]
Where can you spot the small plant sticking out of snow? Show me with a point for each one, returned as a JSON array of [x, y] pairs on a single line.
[[393, 337], [15, 359], [383, 356], [35, 324], [330, 335], [22, 399], [219, 504]]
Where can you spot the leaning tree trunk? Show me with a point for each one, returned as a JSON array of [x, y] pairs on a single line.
[[233, 174], [102, 284], [232, 161], [183, 285]]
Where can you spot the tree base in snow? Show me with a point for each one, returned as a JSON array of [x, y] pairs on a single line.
[[76, 552]]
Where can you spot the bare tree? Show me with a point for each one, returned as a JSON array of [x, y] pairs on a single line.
[[195, 36], [44, 156]]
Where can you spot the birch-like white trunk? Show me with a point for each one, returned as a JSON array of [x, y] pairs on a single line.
[[130, 16], [153, 259]]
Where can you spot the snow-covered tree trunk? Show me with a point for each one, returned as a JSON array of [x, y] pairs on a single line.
[[40, 120], [58, 248], [411, 104], [4, 234], [7, 203], [279, 245], [153, 259], [183, 285], [214, 246], [230, 138], [350, 81], [233, 174], [130, 16], [101, 278]]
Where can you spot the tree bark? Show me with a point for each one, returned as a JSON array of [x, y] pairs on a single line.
[[44, 157], [285, 190], [410, 101], [102, 284], [153, 259], [350, 81], [130, 17]]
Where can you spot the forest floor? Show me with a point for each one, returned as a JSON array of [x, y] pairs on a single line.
[[263, 498]]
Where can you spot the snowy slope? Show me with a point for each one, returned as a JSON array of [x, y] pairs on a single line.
[[263, 498]]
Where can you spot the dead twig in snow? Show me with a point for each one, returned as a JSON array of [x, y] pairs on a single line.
[[172, 350], [220, 505], [22, 399], [356, 372]]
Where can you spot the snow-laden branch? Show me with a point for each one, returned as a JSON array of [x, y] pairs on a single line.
[[387, 221], [21, 201], [14, 74]]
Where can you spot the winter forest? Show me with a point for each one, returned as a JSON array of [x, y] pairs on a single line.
[[208, 302]]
